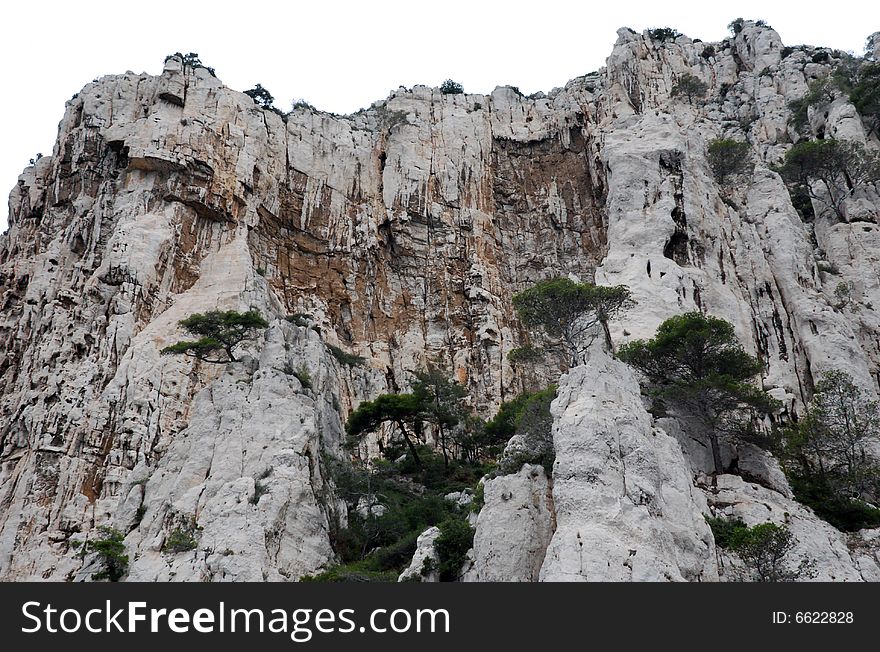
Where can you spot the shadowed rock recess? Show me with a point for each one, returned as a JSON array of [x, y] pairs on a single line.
[[403, 231]]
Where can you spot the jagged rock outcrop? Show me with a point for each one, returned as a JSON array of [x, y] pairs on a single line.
[[513, 528], [403, 230], [626, 507]]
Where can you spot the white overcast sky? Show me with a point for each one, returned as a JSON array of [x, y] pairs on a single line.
[[343, 55]]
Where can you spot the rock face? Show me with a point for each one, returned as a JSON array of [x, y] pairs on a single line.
[[626, 507], [403, 231], [514, 527]]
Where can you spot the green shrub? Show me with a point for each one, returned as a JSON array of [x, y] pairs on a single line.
[[525, 355], [689, 86], [303, 376], [456, 538], [450, 87], [736, 26], [345, 358], [192, 60], [728, 533], [728, 157], [111, 551], [181, 539], [663, 34]]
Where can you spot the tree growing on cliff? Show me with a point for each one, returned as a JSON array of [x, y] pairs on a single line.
[[110, 550], [841, 168], [865, 95], [695, 365], [827, 453], [567, 311], [219, 333], [764, 549], [450, 87], [728, 157], [690, 87], [261, 96], [404, 411], [442, 403]]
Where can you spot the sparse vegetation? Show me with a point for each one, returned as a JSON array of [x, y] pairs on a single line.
[[728, 158], [303, 376], [663, 34], [840, 167], [182, 539], [764, 550], [192, 60], [220, 333], [689, 86], [111, 552], [525, 355], [865, 95], [827, 454], [345, 358]]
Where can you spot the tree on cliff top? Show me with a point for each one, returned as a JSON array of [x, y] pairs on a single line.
[[220, 332], [567, 311], [695, 364]]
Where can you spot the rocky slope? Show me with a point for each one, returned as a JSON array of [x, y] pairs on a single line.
[[403, 231]]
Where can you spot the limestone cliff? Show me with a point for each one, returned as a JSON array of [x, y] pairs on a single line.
[[403, 231]]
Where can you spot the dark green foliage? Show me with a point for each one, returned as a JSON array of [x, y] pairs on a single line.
[[663, 34], [708, 52], [442, 403], [502, 426], [786, 52], [220, 332], [865, 95], [568, 311], [820, 57], [479, 498], [300, 319], [345, 358], [827, 454], [534, 427], [728, 158], [820, 91], [736, 26], [695, 365], [261, 97], [689, 86], [763, 549], [111, 551], [192, 60], [728, 532], [525, 355], [354, 572], [181, 539], [456, 538], [378, 548], [450, 87], [405, 411], [841, 167]]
